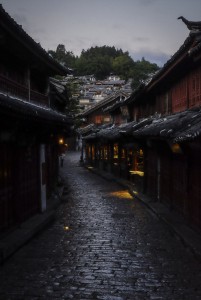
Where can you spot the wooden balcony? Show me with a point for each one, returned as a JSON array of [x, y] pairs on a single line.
[[14, 89]]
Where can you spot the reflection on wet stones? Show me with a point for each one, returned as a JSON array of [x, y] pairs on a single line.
[[114, 249]]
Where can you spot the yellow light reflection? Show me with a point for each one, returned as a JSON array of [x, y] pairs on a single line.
[[124, 194], [66, 228], [89, 167], [140, 173]]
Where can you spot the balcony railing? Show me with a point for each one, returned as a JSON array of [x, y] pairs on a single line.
[[12, 88]]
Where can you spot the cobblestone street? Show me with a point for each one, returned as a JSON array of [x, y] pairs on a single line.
[[103, 245]]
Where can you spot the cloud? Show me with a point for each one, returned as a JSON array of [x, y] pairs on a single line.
[[117, 26], [148, 2], [156, 57], [20, 19], [76, 44], [39, 34], [140, 39]]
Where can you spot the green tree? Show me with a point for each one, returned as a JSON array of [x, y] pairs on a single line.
[[72, 88], [67, 58], [123, 65], [101, 61], [142, 71], [96, 61]]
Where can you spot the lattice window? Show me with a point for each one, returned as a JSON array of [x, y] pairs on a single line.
[[195, 88], [179, 96]]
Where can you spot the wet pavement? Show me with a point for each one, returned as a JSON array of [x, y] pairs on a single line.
[[103, 245]]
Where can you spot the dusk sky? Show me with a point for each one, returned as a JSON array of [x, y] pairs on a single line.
[[144, 28]]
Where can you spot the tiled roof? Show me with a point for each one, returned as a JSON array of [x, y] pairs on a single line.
[[16, 30], [111, 132], [29, 111], [179, 127], [87, 129], [116, 105], [104, 102]]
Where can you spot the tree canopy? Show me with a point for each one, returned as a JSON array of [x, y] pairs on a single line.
[[66, 58], [142, 71], [104, 60]]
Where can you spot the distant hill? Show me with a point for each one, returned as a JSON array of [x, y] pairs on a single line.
[[102, 61]]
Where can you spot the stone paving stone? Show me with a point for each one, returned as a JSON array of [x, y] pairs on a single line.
[[103, 245]]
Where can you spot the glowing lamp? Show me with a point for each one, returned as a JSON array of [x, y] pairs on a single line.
[[176, 148], [61, 141]]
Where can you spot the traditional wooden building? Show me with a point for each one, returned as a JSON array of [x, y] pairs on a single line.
[[160, 149], [98, 114], [32, 121]]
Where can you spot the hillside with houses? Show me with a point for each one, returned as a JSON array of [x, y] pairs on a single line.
[[92, 91]]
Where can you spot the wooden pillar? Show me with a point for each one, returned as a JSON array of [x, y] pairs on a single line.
[[29, 83], [43, 195], [158, 177]]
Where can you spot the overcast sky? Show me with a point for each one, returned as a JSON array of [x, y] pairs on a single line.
[[144, 28]]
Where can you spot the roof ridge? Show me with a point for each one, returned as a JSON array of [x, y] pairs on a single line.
[[19, 28]]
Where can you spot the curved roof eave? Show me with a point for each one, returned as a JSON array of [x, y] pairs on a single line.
[[18, 33]]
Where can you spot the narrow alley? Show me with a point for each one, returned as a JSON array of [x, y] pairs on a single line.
[[103, 245]]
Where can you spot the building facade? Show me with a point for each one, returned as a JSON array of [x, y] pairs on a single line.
[[158, 147], [32, 121]]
